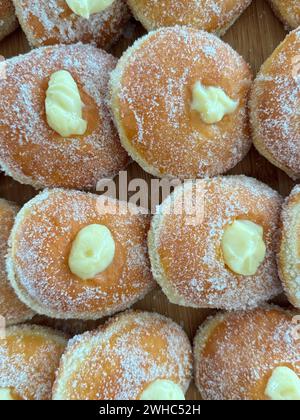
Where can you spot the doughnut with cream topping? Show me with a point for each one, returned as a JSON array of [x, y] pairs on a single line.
[[8, 20], [274, 107], [29, 358], [111, 271]]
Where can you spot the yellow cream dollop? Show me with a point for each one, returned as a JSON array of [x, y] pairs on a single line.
[[284, 385], [163, 390], [243, 247], [85, 8], [212, 103], [92, 251], [64, 106], [5, 394]]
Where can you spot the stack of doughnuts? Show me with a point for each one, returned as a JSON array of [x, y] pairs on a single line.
[[182, 104]]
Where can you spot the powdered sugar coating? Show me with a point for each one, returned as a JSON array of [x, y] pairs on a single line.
[[29, 357], [185, 249], [33, 153], [8, 20], [210, 15], [275, 115], [11, 308], [41, 242], [288, 11], [236, 353], [288, 258], [152, 97], [48, 22], [118, 361]]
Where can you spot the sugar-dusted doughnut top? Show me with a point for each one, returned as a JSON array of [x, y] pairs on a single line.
[[152, 103], [48, 22], [288, 11], [209, 15], [185, 243], [29, 358], [274, 106], [41, 243], [289, 254], [236, 353], [11, 308], [30, 150], [120, 360]]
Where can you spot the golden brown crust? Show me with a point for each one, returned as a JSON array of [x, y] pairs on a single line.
[[40, 245], [29, 358], [185, 251], [289, 255], [48, 22], [274, 107], [288, 11], [119, 360], [236, 353], [8, 20], [30, 150], [214, 16], [11, 308]]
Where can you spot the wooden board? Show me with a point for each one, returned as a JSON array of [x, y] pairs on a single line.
[[254, 36]]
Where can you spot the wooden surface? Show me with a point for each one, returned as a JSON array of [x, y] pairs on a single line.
[[254, 36]]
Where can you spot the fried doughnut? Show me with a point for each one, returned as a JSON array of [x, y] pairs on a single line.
[[29, 358], [215, 16], [30, 150], [11, 308], [288, 259], [8, 20], [48, 22], [274, 106], [42, 242], [186, 243], [153, 99], [288, 11], [122, 359], [236, 354]]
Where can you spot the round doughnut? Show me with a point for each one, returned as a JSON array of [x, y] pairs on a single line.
[[29, 358], [185, 243], [236, 353], [215, 16], [288, 11], [11, 309], [274, 107], [48, 22], [288, 258], [41, 243], [152, 103], [30, 150], [8, 20], [70, 327], [120, 360]]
